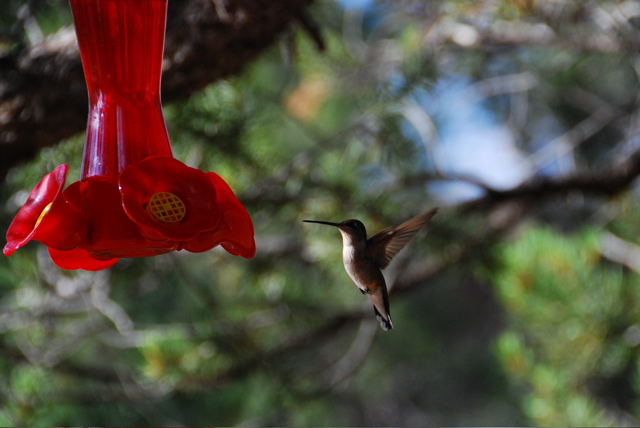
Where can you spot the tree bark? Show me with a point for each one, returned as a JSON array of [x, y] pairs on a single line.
[[43, 97]]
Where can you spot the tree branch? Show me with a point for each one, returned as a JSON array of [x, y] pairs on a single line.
[[608, 183]]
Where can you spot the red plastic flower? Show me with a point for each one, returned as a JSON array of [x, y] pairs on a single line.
[[47, 217], [160, 206], [235, 232], [79, 259], [112, 234], [168, 200]]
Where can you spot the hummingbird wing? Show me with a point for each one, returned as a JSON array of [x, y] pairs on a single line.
[[382, 246]]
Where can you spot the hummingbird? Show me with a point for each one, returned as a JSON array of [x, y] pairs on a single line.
[[365, 258]]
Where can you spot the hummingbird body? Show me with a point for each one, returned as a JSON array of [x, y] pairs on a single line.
[[366, 274], [365, 258]]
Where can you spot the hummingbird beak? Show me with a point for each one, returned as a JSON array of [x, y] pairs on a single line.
[[322, 222]]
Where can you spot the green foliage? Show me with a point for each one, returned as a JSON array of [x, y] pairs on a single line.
[[567, 309]]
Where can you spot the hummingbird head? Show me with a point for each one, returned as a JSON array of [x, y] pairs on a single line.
[[351, 229]]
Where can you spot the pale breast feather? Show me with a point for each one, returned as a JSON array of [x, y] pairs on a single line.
[[348, 257]]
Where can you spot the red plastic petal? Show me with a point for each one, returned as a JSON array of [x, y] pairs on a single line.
[[112, 233], [235, 232], [161, 174], [79, 259], [47, 217]]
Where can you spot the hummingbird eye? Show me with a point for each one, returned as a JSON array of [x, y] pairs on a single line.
[[354, 224]]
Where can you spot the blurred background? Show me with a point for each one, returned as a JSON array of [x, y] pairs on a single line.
[[517, 305]]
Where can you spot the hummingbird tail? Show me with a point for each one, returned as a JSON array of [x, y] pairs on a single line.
[[385, 321]]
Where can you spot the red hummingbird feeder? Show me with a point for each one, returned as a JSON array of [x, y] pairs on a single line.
[[133, 198]]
